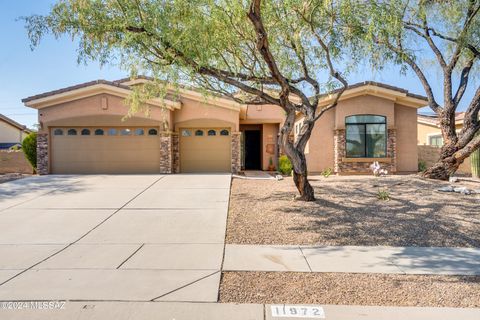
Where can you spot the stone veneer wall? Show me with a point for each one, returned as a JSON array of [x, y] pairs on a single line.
[[362, 167], [166, 152], [236, 152], [42, 153], [176, 152]]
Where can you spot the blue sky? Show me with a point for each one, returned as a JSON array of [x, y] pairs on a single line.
[[53, 64]]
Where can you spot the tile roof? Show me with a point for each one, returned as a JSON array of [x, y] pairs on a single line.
[[13, 123]]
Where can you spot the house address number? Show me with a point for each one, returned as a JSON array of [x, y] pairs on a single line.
[[285, 311]]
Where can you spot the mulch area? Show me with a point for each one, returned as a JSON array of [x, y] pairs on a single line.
[[350, 289], [348, 212]]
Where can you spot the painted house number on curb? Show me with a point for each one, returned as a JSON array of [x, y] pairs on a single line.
[[284, 311]]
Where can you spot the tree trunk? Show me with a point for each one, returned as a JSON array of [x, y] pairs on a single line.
[[448, 163], [303, 185]]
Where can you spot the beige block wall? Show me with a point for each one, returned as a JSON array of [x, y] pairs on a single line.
[[9, 133], [407, 151], [430, 155], [14, 162]]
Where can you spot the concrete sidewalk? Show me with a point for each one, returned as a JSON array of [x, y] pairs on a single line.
[[217, 311], [395, 260]]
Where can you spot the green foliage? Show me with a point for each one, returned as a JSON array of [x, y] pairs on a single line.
[[383, 195], [192, 42], [422, 166], [284, 165], [327, 172], [29, 147]]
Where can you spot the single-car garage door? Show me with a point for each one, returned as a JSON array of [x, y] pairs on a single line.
[[105, 150], [205, 150]]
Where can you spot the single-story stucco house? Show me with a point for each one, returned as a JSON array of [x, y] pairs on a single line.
[[82, 131], [12, 133]]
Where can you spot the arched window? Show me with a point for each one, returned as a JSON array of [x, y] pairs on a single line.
[[139, 132], [366, 136], [199, 133], [58, 132], [85, 132], [212, 133], [186, 133], [72, 132], [224, 132], [125, 132], [99, 132], [112, 132], [152, 132]]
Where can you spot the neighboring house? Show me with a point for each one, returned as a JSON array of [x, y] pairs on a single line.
[[12, 133], [83, 129], [430, 134]]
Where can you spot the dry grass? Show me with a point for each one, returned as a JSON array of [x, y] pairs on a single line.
[[348, 212], [352, 289]]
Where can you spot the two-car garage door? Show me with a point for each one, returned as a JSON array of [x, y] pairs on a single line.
[[136, 150], [105, 150]]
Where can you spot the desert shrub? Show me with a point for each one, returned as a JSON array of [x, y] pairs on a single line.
[[383, 195], [29, 147], [327, 172], [422, 166], [284, 165]]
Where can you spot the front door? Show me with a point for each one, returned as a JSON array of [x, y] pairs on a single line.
[[252, 149]]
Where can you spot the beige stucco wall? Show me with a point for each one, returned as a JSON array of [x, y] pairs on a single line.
[[9, 133], [320, 151], [90, 112], [269, 140], [263, 114], [205, 115], [424, 131], [364, 105], [407, 151]]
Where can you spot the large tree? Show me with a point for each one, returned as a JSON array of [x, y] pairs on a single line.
[[432, 37], [256, 52]]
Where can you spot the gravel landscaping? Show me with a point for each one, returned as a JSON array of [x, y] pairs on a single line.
[[351, 289], [349, 212]]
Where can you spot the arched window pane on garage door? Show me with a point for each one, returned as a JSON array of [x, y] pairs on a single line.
[[85, 132], [139, 132], [212, 133], [112, 132], [224, 132], [72, 132], [125, 132], [199, 133], [152, 132], [58, 132], [99, 132], [186, 133]]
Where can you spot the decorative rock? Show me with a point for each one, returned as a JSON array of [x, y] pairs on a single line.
[[446, 189], [462, 190], [279, 177], [453, 179]]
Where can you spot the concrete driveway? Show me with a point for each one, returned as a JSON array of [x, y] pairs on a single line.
[[113, 237]]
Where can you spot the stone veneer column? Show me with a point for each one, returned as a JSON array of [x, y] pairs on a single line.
[[392, 150], [176, 153], [236, 152], [339, 149], [166, 152], [42, 153]]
